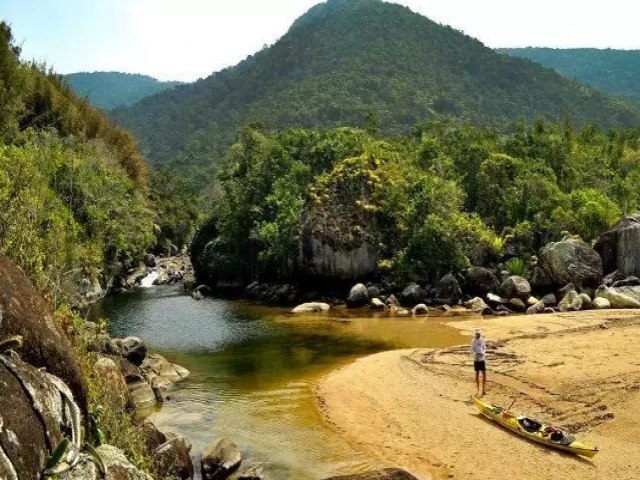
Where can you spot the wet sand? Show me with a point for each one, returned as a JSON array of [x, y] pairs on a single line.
[[580, 371]]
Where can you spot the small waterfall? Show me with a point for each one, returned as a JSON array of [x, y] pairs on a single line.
[[147, 282]]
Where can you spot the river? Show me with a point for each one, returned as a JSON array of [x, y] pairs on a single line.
[[253, 369]]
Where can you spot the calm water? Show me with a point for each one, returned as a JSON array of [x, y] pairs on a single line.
[[253, 368]]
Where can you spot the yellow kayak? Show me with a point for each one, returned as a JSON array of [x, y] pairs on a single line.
[[534, 430]]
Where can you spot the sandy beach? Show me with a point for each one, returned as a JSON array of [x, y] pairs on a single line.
[[580, 371]]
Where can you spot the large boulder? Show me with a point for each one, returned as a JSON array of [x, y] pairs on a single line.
[[321, 258], [358, 296], [617, 298], [385, 474], [480, 281], [619, 248], [220, 459], [24, 312], [571, 261], [600, 303], [449, 289], [515, 287]]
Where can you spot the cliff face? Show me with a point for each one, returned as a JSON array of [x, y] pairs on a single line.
[[25, 312]]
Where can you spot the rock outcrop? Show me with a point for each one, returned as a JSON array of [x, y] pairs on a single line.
[[26, 313], [619, 248], [571, 261]]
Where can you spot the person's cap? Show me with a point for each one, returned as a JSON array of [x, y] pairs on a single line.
[[478, 331]]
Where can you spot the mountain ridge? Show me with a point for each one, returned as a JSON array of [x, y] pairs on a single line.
[[359, 62], [111, 89]]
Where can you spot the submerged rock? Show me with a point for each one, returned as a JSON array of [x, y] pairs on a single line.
[[420, 309]]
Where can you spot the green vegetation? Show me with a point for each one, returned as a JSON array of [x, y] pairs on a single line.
[[109, 90], [438, 200], [73, 187], [612, 71], [363, 63]]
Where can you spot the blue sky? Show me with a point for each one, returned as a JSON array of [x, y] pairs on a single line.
[[188, 39]]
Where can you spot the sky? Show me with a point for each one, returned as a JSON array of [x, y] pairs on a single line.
[[190, 39]]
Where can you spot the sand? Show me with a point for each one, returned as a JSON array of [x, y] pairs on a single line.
[[580, 371]]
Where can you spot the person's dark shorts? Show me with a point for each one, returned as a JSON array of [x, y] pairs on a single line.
[[479, 366]]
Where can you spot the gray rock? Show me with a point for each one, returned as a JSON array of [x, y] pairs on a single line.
[[515, 287], [494, 299], [480, 281], [570, 302], [220, 459], [373, 291], [476, 304], [449, 288], [118, 466], [571, 261], [312, 307], [549, 299], [537, 308], [392, 301], [600, 303], [411, 295], [142, 395], [540, 281], [627, 282], [256, 471], [149, 260], [377, 304], [358, 296], [587, 303], [420, 309], [570, 287], [324, 259], [172, 458], [616, 298], [134, 350], [130, 372]]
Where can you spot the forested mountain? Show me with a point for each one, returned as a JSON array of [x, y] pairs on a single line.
[[612, 71], [73, 187], [109, 90], [361, 63]]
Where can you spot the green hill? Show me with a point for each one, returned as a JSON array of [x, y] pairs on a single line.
[[109, 90], [359, 63], [612, 71]]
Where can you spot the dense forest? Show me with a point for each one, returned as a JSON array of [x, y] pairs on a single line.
[[73, 187], [109, 90], [435, 201], [612, 71], [362, 63]]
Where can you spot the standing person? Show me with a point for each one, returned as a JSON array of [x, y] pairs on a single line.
[[478, 350]]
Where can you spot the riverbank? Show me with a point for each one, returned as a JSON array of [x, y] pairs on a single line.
[[579, 369]]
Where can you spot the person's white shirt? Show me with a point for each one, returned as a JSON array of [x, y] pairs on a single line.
[[478, 348]]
